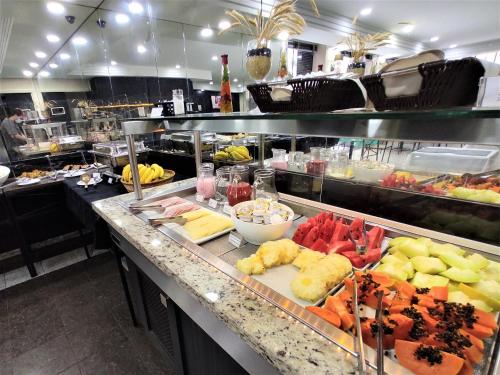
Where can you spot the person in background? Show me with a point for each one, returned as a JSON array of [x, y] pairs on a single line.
[[13, 134]]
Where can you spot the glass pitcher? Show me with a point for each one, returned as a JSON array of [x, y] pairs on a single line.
[[279, 159], [205, 184], [239, 189], [222, 179], [296, 161], [264, 185], [316, 165]]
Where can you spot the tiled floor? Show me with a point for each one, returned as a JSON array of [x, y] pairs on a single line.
[[73, 321]]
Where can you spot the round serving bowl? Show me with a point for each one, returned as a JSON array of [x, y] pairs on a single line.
[[259, 233], [4, 174]]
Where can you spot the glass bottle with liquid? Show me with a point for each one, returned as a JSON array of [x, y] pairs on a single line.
[[264, 185], [205, 184], [226, 102], [239, 189]]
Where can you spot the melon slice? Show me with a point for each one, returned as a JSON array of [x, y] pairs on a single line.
[[461, 275], [428, 265]]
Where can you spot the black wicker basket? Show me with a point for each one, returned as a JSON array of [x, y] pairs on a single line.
[[310, 95], [445, 83]]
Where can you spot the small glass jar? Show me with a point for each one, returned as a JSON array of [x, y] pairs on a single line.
[[279, 159], [338, 164], [239, 189], [205, 184], [296, 161], [264, 185], [222, 180], [316, 166]]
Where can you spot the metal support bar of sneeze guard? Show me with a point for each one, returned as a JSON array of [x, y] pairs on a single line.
[[136, 127], [262, 149], [197, 150]]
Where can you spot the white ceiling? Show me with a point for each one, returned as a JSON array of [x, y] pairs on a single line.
[[457, 22]]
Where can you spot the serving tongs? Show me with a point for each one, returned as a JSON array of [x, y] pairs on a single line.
[[359, 345], [156, 222], [361, 244], [155, 208], [380, 333]]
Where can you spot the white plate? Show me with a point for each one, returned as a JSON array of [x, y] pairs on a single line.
[[91, 182], [75, 173], [28, 181]]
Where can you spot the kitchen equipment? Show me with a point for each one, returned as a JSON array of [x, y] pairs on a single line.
[[222, 180], [70, 142], [178, 99], [205, 183], [370, 171], [115, 153], [264, 185], [239, 189], [259, 233]]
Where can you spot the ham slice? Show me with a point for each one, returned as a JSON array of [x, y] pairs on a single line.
[[179, 209], [168, 202]]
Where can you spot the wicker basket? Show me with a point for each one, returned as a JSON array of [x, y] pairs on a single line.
[[311, 95], [444, 84], [166, 179]]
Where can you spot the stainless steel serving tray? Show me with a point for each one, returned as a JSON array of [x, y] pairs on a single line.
[[220, 254]]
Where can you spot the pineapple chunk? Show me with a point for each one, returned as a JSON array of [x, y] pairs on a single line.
[[251, 266], [308, 287], [307, 257], [270, 253], [289, 250]]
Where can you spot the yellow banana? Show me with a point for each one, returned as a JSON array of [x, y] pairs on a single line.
[[126, 173], [149, 175]]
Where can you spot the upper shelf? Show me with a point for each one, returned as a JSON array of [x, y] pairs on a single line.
[[450, 125]]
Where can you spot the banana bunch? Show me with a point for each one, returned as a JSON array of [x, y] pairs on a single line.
[[147, 173], [237, 153]]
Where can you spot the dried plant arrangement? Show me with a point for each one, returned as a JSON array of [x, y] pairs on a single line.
[[283, 17], [359, 45]]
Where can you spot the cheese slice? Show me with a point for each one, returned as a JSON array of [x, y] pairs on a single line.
[[207, 225]]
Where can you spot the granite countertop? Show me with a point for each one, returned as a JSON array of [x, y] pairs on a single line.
[[288, 345]]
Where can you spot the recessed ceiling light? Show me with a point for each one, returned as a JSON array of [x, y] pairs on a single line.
[[44, 73], [135, 8], [64, 56], [211, 82], [408, 28], [239, 85], [177, 66], [235, 80], [202, 90], [122, 18], [33, 64], [40, 54], [52, 38], [283, 35], [55, 7], [206, 32], [434, 39], [365, 12], [214, 58], [453, 45], [27, 73], [141, 48], [53, 66], [79, 41], [113, 62], [224, 24], [299, 57]]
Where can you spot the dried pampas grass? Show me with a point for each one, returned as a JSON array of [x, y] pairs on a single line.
[[359, 45]]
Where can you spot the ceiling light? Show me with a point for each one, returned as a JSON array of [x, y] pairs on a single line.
[[113, 62], [34, 64], [64, 56], [239, 85], [453, 45], [434, 39], [55, 7], [52, 38], [141, 48], [283, 35], [206, 32], [224, 25], [27, 73], [44, 73], [40, 54], [177, 66], [214, 58], [299, 57], [135, 8], [365, 12], [211, 82], [235, 80], [79, 41], [122, 18], [53, 66], [408, 28]]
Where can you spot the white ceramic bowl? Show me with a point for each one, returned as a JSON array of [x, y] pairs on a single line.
[[259, 233], [4, 174]]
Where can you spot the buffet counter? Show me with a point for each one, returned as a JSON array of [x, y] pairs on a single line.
[[238, 320]]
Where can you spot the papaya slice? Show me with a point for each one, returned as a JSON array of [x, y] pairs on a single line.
[[485, 319], [370, 299], [473, 354], [473, 339], [336, 305], [405, 288], [382, 279], [467, 368], [478, 330], [426, 301], [439, 292], [398, 324], [326, 314], [405, 351]]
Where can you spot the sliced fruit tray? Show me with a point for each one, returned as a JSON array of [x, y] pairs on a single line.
[[435, 323]]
